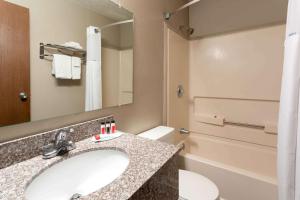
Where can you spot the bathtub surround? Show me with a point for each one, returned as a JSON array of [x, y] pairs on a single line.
[[152, 172], [235, 76], [289, 135]]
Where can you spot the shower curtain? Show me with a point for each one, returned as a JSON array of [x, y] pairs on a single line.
[[93, 86], [289, 114]]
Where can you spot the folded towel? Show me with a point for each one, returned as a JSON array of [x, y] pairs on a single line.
[[61, 66], [76, 68], [75, 45]]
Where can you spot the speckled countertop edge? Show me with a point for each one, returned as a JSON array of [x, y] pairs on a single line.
[[146, 158]]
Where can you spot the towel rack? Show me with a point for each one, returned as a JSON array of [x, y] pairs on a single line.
[[55, 48]]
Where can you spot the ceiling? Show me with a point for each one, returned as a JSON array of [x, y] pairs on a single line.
[[107, 8]]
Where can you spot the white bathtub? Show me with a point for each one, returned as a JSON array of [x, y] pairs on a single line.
[[242, 171]]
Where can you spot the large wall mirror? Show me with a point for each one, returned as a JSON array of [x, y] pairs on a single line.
[[63, 57]]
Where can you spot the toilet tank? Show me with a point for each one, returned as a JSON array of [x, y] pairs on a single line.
[[161, 133]]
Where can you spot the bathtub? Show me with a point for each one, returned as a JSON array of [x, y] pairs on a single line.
[[242, 171]]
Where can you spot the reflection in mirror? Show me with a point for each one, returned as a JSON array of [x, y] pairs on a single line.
[[63, 57], [117, 66]]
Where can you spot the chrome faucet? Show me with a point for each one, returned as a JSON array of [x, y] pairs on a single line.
[[60, 145]]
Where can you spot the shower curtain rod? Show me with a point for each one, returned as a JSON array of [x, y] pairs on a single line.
[[168, 15], [116, 23]]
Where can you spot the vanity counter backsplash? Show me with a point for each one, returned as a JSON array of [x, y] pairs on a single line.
[[152, 172]]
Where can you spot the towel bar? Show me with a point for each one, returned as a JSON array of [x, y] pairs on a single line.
[[61, 50]]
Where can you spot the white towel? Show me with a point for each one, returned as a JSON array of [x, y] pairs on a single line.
[[75, 45], [61, 66], [76, 68]]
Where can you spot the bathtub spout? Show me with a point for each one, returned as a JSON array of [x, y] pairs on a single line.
[[184, 131]]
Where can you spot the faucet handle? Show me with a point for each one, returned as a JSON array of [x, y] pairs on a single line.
[[62, 143], [49, 151], [71, 145], [60, 137]]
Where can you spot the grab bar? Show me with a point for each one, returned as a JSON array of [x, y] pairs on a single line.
[[269, 128], [248, 125]]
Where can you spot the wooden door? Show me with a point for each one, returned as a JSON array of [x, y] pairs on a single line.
[[177, 75], [14, 64]]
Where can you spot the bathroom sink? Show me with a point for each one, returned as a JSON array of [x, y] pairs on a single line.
[[78, 176]]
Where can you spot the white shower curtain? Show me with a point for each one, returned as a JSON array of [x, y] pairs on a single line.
[[93, 87], [289, 115]]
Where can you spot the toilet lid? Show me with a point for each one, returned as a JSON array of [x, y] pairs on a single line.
[[193, 186]]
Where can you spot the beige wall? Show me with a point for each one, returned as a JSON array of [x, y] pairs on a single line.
[[237, 76], [146, 111]]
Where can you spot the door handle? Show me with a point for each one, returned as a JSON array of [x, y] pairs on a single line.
[[23, 96]]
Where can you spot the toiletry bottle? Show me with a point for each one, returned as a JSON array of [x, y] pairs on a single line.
[[103, 128], [107, 126], [112, 126]]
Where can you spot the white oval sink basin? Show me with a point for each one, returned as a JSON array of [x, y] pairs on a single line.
[[81, 174]]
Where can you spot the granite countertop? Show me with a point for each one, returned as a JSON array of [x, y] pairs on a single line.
[[146, 158]]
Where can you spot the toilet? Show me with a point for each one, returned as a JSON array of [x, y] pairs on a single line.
[[192, 186]]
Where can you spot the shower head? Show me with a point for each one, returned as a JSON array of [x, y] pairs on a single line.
[[186, 29], [190, 31], [168, 15]]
